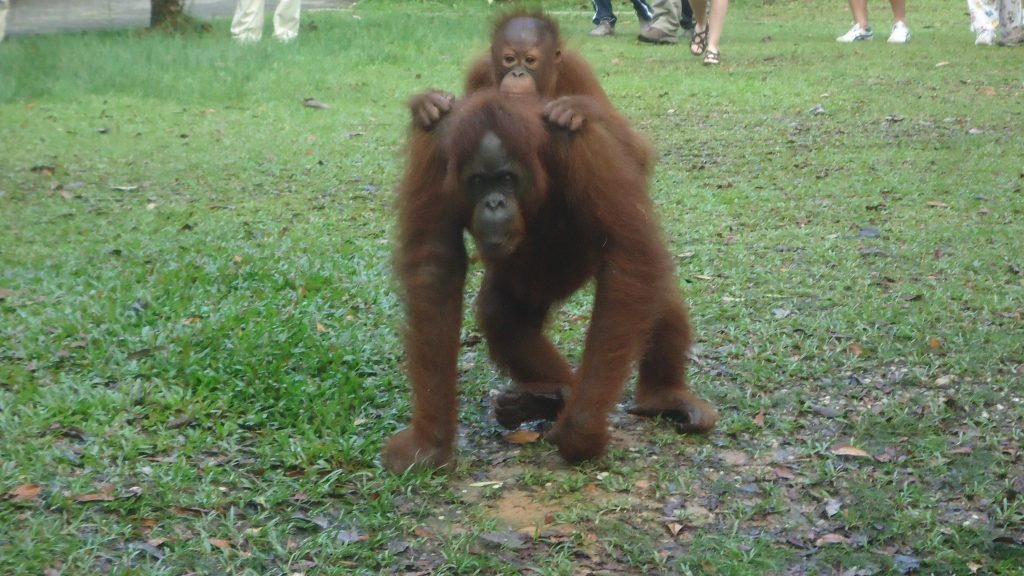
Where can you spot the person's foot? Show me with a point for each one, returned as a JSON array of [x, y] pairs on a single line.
[[900, 34], [603, 28], [856, 34], [712, 58], [985, 38], [652, 35], [699, 41]]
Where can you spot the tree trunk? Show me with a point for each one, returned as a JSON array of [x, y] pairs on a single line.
[[166, 12]]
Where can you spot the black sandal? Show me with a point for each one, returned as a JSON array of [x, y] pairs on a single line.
[[699, 43], [712, 58]]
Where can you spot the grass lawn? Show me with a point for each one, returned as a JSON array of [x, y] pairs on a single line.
[[199, 331]]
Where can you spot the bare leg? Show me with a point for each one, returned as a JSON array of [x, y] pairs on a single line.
[[716, 21], [899, 10], [859, 8]]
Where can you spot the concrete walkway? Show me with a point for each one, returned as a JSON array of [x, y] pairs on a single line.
[[46, 16]]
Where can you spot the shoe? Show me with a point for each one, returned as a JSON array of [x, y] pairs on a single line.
[[900, 34], [603, 28], [856, 34], [985, 38], [652, 35], [699, 42], [712, 58]]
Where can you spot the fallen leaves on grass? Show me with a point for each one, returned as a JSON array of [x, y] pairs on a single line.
[[832, 538], [221, 543], [847, 450], [351, 537], [314, 103], [523, 437], [510, 540], [23, 493], [106, 493]]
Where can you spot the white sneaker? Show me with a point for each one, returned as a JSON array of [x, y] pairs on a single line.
[[985, 38], [856, 34], [900, 34]]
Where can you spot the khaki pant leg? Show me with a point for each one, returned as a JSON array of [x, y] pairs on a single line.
[[667, 14], [286, 20], [247, 25]]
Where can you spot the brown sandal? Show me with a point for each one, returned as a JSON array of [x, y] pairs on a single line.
[[712, 58], [699, 43]]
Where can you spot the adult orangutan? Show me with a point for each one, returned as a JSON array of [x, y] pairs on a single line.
[[549, 208]]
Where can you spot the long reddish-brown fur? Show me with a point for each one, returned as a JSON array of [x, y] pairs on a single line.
[[587, 216]]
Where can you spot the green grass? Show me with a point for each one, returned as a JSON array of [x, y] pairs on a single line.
[[199, 333]]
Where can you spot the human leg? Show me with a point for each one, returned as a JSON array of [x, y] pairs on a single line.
[[861, 29], [247, 24], [687, 20], [899, 10], [716, 22], [643, 10], [699, 42], [1011, 22], [984, 20], [3, 19], [859, 9], [286, 20], [664, 27], [603, 11], [900, 33]]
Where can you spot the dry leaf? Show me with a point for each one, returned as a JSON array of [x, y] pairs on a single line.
[[831, 539], [855, 349], [642, 484], [487, 484], [934, 343], [24, 492], [237, 259], [674, 528], [94, 497], [320, 328], [220, 543], [759, 419], [350, 537], [783, 472], [314, 103], [734, 457], [832, 507], [847, 450], [936, 204], [523, 437]]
